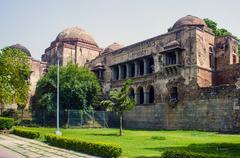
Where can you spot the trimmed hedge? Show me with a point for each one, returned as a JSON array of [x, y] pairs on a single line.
[[184, 154], [6, 123], [93, 148], [25, 133]]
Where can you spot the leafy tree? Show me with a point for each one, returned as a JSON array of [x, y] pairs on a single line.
[[214, 26], [14, 74], [120, 102], [79, 89]]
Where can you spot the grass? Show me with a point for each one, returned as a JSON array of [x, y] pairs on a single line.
[[142, 143]]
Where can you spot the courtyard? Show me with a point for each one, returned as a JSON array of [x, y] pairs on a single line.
[[152, 143]]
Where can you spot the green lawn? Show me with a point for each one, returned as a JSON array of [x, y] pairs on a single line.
[[142, 143]]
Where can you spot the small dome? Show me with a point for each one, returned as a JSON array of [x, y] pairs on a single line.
[[21, 48], [113, 47], [189, 20], [76, 33]]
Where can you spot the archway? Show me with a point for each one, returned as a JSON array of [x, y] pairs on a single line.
[[140, 96]]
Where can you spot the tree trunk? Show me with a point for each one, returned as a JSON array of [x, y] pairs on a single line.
[[22, 114], [120, 128]]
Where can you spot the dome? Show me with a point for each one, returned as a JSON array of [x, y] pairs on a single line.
[[21, 48], [189, 20], [113, 47], [76, 33]]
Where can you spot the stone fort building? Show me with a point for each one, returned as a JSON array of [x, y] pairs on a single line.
[[183, 79]]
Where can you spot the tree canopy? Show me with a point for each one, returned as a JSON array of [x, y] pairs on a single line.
[[79, 89], [14, 73], [214, 26]]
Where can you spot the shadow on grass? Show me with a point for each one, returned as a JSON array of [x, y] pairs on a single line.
[[103, 134], [230, 150]]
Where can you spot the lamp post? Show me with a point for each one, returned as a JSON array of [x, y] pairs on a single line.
[[58, 130]]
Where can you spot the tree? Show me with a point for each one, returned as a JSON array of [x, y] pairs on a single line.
[[120, 102], [214, 26], [79, 89], [14, 74]]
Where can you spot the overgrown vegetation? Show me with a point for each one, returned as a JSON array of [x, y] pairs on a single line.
[[219, 31], [6, 123], [26, 133], [214, 26], [14, 73], [88, 147]]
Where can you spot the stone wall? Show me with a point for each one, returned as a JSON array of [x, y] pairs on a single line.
[[216, 109], [228, 75]]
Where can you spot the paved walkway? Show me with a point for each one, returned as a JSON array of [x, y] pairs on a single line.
[[12, 146]]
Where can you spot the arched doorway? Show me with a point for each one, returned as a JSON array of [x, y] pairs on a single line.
[[131, 93], [140, 96], [151, 94]]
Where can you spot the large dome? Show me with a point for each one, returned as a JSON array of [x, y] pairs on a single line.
[[113, 47], [21, 48], [76, 33], [189, 20]]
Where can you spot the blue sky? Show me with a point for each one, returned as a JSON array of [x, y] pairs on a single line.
[[35, 23]]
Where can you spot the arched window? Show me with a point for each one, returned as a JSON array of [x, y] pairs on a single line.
[[151, 94], [174, 94], [141, 67], [131, 93], [132, 69], [150, 65], [140, 95], [115, 73]]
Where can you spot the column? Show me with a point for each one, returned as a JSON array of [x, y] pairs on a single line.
[[157, 63], [127, 70], [145, 65], [177, 58], [136, 68], [137, 100], [119, 72], [146, 97]]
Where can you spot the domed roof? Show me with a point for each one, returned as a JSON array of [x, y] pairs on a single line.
[[189, 20], [113, 47], [76, 33], [21, 48]]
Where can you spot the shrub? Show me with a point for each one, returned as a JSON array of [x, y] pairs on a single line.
[[92, 148], [184, 154], [6, 123], [26, 133]]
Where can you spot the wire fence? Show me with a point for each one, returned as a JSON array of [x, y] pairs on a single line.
[[68, 118]]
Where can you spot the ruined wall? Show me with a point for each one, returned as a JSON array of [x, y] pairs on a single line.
[[225, 48], [230, 74]]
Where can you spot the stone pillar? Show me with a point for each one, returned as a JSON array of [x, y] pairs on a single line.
[[145, 65], [119, 72], [177, 58], [146, 97], [128, 70], [157, 63], [137, 99], [136, 68]]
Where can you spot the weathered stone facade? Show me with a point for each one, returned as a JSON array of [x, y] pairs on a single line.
[[183, 79], [72, 45]]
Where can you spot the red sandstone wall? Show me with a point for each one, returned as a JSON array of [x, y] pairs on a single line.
[[228, 74]]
